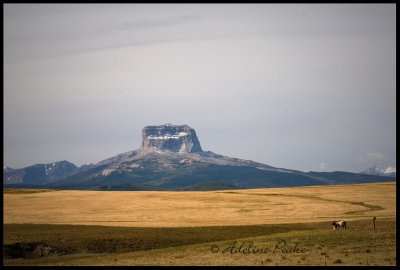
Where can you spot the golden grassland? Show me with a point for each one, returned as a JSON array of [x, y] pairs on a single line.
[[358, 245], [183, 228], [201, 208]]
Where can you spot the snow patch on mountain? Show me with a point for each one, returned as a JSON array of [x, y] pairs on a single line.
[[381, 170]]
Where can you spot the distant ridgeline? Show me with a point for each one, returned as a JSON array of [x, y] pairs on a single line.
[[171, 158]]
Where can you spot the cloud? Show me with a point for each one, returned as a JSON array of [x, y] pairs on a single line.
[[323, 166], [371, 157]]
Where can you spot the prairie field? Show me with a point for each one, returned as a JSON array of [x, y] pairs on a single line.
[[201, 208], [272, 226]]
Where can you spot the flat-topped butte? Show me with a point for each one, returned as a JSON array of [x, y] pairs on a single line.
[[174, 138]]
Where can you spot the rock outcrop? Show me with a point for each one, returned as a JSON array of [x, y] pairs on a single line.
[[27, 250], [174, 138]]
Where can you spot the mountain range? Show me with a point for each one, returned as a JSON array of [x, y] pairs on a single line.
[[171, 158], [381, 170]]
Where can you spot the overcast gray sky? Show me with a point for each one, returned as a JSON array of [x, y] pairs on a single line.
[[297, 86]]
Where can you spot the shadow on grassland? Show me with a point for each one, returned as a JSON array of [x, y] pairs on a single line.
[[80, 239]]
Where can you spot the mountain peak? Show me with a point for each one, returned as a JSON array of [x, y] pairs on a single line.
[[381, 170], [168, 137]]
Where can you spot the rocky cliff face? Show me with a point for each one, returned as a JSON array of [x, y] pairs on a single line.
[[174, 138]]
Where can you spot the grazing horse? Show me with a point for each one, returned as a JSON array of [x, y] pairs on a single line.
[[339, 224]]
